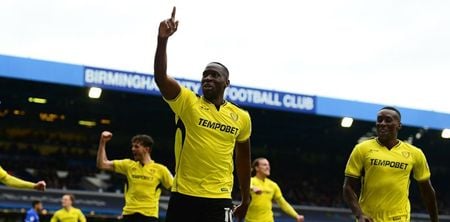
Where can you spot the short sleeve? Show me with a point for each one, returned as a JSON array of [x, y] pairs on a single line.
[[167, 178], [355, 163], [121, 166], [421, 170], [246, 130], [183, 100]]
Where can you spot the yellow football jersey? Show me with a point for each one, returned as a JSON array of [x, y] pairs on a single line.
[[204, 144], [260, 208], [143, 186], [72, 215], [386, 177]]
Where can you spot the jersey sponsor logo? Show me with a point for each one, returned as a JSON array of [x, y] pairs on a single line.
[[387, 163], [218, 126], [141, 177]]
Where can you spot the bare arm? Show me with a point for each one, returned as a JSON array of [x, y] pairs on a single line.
[[102, 160], [351, 198], [168, 86], [243, 172], [429, 198]]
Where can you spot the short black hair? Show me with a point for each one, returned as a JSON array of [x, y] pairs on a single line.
[[144, 140], [220, 64], [35, 202], [393, 109]]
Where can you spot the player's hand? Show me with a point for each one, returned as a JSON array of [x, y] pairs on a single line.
[[241, 210], [257, 190], [41, 185], [300, 218], [168, 26], [106, 136]]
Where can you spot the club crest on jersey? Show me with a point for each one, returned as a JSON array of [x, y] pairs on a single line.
[[234, 116], [406, 154]]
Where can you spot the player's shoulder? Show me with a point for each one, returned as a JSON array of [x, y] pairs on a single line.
[[235, 106], [271, 182], [184, 94], [58, 212], [410, 147], [159, 166], [253, 180], [367, 144], [238, 110], [127, 162], [187, 92]]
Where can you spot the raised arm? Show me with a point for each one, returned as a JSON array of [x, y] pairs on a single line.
[[102, 160], [429, 198], [168, 86], [351, 198], [243, 167]]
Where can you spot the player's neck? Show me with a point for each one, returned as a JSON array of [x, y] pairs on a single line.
[[68, 208], [218, 101], [261, 176], [145, 160], [388, 143]]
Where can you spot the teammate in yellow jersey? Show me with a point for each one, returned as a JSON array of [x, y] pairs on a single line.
[[209, 130], [145, 178], [264, 191], [68, 213], [15, 182], [383, 166]]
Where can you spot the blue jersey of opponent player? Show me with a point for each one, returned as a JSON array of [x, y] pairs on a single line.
[[32, 216]]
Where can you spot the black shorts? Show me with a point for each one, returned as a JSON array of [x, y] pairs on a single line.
[[138, 217], [188, 208]]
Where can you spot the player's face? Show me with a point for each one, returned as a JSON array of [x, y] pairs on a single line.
[[388, 124], [39, 207], [214, 81], [138, 150], [65, 201], [264, 167]]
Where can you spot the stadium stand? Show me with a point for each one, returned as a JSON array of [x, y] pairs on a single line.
[[308, 153]]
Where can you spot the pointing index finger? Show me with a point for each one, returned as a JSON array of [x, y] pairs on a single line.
[[174, 11]]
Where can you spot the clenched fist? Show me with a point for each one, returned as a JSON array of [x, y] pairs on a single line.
[[106, 136]]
